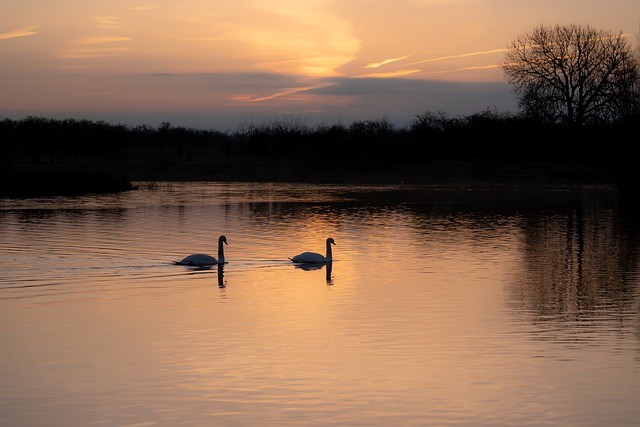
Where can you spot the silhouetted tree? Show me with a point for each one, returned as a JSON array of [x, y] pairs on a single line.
[[573, 75]]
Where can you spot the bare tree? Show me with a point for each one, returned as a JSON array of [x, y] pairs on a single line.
[[573, 75]]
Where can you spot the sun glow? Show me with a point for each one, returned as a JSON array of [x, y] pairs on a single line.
[[287, 37]]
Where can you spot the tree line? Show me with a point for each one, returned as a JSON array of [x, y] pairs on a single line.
[[291, 150]]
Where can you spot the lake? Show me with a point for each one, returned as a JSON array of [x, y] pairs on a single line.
[[444, 306]]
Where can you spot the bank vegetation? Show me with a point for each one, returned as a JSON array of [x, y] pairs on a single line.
[[40, 153]]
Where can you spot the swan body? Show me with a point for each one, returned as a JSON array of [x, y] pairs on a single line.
[[314, 257], [204, 259]]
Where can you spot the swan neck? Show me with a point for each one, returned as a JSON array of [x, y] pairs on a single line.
[[329, 254], [220, 252]]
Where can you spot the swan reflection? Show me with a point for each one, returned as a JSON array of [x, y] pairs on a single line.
[[308, 267], [329, 276], [318, 266], [221, 276]]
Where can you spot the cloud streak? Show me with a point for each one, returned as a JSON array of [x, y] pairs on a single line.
[[93, 53], [410, 71], [279, 94], [385, 62], [103, 40], [462, 55], [21, 32], [476, 67], [110, 22], [389, 74]]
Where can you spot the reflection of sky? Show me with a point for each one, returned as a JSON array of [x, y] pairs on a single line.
[[432, 316], [221, 64]]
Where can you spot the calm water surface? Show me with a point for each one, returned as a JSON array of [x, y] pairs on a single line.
[[443, 307]]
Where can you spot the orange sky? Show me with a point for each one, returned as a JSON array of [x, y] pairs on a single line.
[[223, 63]]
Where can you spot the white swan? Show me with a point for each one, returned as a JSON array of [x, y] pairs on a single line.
[[204, 259], [314, 257]]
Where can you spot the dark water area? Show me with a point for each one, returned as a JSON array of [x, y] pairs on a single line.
[[60, 182]]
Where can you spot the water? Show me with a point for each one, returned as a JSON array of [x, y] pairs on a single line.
[[443, 307]]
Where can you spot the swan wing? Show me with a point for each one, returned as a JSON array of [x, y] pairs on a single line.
[[308, 257], [198, 259]]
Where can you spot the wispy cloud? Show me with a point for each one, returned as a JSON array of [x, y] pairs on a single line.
[[477, 67], [279, 94], [93, 47], [103, 40], [110, 22], [147, 7], [93, 53], [398, 62], [388, 74], [21, 32], [385, 62], [462, 55], [284, 36]]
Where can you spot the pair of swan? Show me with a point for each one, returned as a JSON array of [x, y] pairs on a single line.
[[303, 258]]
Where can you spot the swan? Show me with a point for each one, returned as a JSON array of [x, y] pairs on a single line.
[[203, 259], [314, 257]]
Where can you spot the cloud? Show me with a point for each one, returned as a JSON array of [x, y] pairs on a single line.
[[476, 67], [93, 53], [103, 40], [412, 88], [399, 96], [237, 82], [21, 32], [388, 74], [110, 22], [462, 55], [284, 36], [140, 8], [386, 61], [283, 92]]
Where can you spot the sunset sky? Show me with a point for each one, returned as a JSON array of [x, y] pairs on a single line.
[[219, 64]]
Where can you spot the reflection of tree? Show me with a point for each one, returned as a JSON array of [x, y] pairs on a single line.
[[579, 270]]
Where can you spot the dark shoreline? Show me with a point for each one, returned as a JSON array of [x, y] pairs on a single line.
[[58, 182]]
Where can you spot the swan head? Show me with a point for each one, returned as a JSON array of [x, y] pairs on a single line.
[[330, 241], [222, 239]]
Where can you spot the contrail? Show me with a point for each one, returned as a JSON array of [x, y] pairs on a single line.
[[462, 55], [386, 61], [285, 92], [478, 67], [399, 73]]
